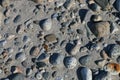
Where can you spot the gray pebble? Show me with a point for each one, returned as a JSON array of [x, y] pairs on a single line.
[[70, 62], [2, 43], [56, 59], [20, 56], [17, 19], [17, 76], [26, 39], [46, 75], [84, 60], [28, 71]]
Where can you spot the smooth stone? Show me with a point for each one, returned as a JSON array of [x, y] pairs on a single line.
[[96, 18], [117, 5], [95, 7], [17, 76], [41, 64], [68, 4], [5, 3], [100, 63], [86, 74], [103, 4], [50, 38], [70, 62], [56, 59], [6, 21], [28, 71], [38, 75], [46, 75], [17, 19], [100, 29], [114, 51], [118, 60], [20, 29], [103, 75], [43, 57], [20, 56], [46, 24], [2, 43], [26, 39], [54, 74], [84, 60], [34, 51], [114, 28]]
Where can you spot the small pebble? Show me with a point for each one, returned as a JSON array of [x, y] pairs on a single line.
[[34, 51], [84, 60], [20, 56], [50, 38], [17, 19], [38, 75]]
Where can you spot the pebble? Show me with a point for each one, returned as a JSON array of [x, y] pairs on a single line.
[[84, 60], [20, 29], [70, 62], [118, 60], [38, 75], [29, 71], [26, 39], [16, 69], [2, 43], [5, 3], [117, 5], [20, 56], [96, 18], [104, 55], [76, 48], [46, 24], [17, 19], [34, 51], [46, 75], [114, 51], [17, 76], [101, 29], [95, 7], [103, 4], [68, 4], [114, 28], [101, 63], [103, 75], [40, 65], [43, 57], [50, 38], [56, 59], [86, 73], [112, 68]]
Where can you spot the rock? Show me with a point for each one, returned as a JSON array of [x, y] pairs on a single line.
[[56, 59], [118, 60], [20, 29], [114, 51], [94, 7], [117, 5], [104, 4], [114, 28], [103, 75], [104, 55], [5, 3], [16, 69], [101, 29], [17, 76], [17, 19], [76, 48], [101, 63], [70, 62], [7, 21], [38, 1], [2, 43], [96, 18], [38, 75], [46, 24], [40, 65], [29, 71], [84, 60], [68, 4], [46, 75], [26, 39], [34, 51], [112, 68], [54, 74], [86, 74], [50, 38], [20, 56], [1, 17], [43, 57]]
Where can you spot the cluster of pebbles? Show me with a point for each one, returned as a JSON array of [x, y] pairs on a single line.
[[59, 39]]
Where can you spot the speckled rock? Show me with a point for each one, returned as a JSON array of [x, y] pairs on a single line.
[[86, 74], [17, 76], [46, 24], [56, 59], [70, 62], [101, 29], [84, 60], [114, 51], [20, 56], [112, 68]]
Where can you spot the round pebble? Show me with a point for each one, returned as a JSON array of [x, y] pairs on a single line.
[[38, 75], [70, 62]]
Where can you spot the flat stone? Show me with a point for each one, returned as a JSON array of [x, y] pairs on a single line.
[[50, 38]]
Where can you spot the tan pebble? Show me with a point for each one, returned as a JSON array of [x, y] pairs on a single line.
[[104, 55], [5, 54], [5, 3], [38, 1], [11, 37], [50, 0], [18, 70], [91, 1], [113, 68], [34, 51]]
